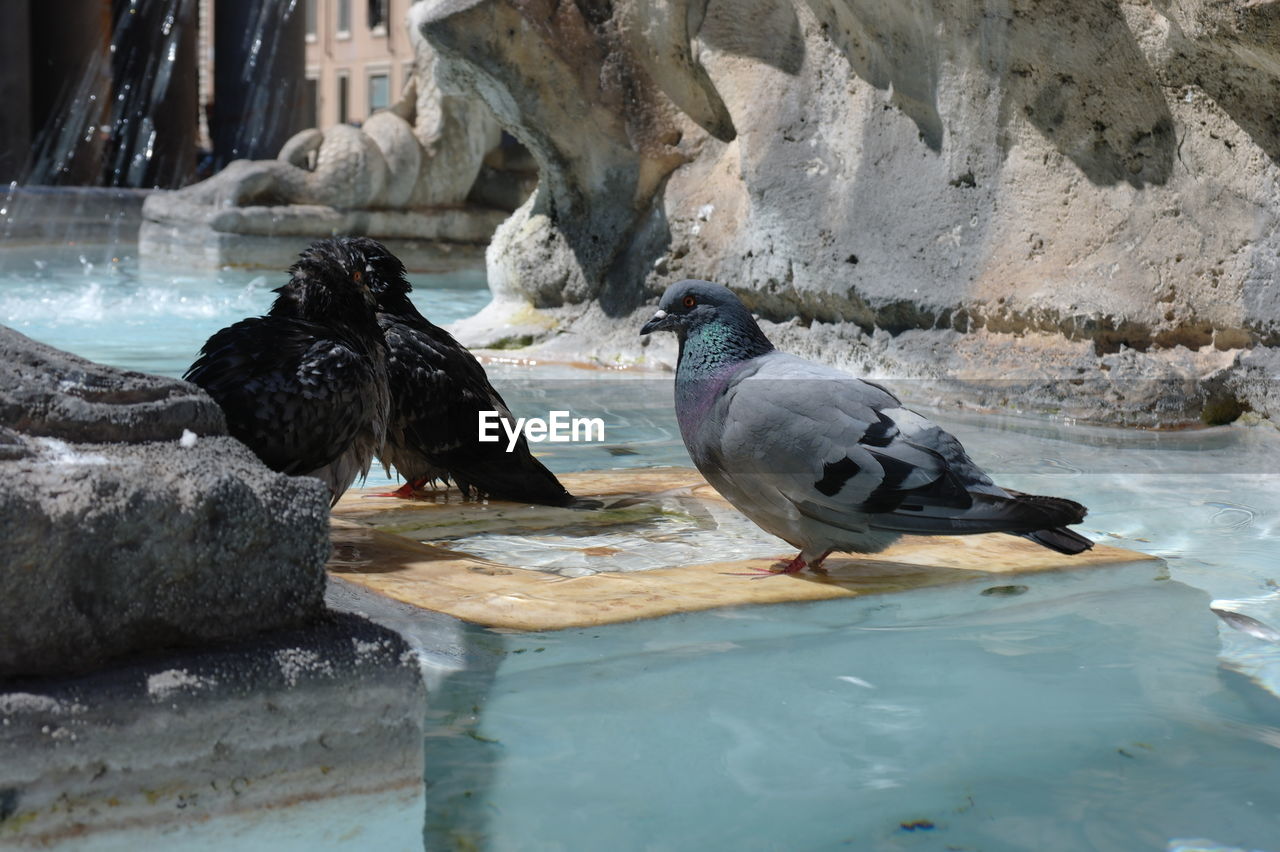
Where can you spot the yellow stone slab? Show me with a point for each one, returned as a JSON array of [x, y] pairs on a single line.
[[509, 596]]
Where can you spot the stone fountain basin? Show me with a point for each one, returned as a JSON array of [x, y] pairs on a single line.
[[416, 552]]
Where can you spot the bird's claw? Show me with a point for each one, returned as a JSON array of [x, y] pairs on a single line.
[[795, 566], [408, 491], [404, 492]]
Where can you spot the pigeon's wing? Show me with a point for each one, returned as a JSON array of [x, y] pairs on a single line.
[[294, 396], [439, 387], [815, 443], [835, 448], [439, 390]]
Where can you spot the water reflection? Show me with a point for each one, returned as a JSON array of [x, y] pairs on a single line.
[[1059, 720]]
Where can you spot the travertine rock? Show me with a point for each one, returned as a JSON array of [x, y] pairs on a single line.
[[1051, 172], [47, 392], [312, 734], [130, 520]]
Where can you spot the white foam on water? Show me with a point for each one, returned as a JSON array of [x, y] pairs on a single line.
[[99, 304]]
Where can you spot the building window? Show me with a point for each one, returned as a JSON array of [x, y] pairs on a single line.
[[344, 17], [311, 102], [379, 91], [378, 15], [313, 19], [344, 98]]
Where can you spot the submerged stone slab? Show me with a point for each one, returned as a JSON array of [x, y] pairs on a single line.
[[303, 739], [379, 544]]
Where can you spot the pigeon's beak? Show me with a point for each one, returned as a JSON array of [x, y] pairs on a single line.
[[660, 320]]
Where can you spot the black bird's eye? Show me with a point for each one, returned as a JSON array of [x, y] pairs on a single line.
[[357, 276], [689, 301]]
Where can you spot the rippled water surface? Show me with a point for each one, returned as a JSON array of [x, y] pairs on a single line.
[[1105, 709]]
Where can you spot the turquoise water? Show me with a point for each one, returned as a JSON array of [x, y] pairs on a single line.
[[1105, 709], [110, 308]]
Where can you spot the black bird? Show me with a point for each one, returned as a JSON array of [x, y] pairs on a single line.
[[438, 389], [305, 386]]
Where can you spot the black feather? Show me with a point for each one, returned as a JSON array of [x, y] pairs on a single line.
[[945, 490], [881, 433], [306, 384], [438, 390], [1060, 539], [835, 475]]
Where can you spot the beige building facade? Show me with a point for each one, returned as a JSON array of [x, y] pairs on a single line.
[[358, 58]]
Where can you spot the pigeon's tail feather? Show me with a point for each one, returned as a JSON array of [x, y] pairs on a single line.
[[516, 476], [1060, 539], [1040, 519], [1065, 511]]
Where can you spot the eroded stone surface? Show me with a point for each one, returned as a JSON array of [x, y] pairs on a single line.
[[111, 548], [235, 740], [45, 391], [1072, 180], [130, 520]]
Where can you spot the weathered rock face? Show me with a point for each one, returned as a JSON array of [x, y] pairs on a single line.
[[1078, 177], [313, 733], [51, 393], [132, 521]]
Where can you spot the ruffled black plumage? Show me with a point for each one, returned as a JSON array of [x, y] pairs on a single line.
[[305, 386], [438, 389]]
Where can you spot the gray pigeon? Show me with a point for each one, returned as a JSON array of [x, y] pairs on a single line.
[[821, 459]]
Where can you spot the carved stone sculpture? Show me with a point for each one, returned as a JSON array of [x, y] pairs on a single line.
[[404, 175]]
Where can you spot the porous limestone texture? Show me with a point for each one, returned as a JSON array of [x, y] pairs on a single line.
[[131, 520], [309, 735], [47, 392], [1044, 183], [403, 176]]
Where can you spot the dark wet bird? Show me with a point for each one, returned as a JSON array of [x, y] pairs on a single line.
[[305, 386], [438, 390], [821, 459]]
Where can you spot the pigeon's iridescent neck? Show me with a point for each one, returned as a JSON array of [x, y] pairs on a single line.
[[717, 343], [710, 356]]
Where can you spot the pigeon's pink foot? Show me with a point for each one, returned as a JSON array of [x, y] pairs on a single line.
[[408, 491], [816, 565], [795, 566]]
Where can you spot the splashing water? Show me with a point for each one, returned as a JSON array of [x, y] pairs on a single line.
[[105, 126], [156, 318]]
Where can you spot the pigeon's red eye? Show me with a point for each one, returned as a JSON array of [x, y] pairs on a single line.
[[689, 301], [357, 276]]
